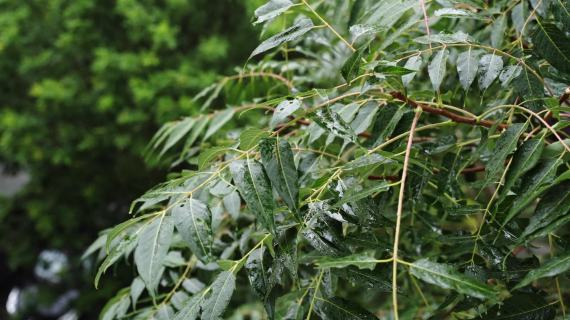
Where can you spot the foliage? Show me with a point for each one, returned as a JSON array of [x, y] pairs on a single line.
[[84, 85], [365, 175]]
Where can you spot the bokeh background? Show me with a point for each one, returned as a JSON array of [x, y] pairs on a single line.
[[84, 85]]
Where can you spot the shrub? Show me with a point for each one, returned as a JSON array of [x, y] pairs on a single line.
[[360, 171]]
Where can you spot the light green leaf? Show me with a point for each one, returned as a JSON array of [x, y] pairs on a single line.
[[553, 267], [191, 310], [206, 156], [249, 138], [467, 66], [456, 13], [218, 121], [301, 27], [271, 9], [498, 31], [221, 290], [232, 203], [364, 117], [508, 74], [444, 276], [334, 124], [362, 261], [193, 221], [254, 187], [552, 44], [279, 164], [413, 63], [443, 38], [137, 287], [151, 250], [117, 307], [283, 111], [506, 144], [490, 66], [437, 68]]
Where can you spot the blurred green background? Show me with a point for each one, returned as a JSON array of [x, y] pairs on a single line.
[[84, 85]]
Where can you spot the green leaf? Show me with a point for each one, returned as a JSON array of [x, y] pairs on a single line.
[[191, 310], [334, 124], [271, 10], [498, 31], [467, 66], [522, 306], [362, 261], [364, 117], [117, 307], [368, 160], [175, 132], [365, 278], [506, 144], [552, 44], [437, 68], [221, 290], [283, 111], [124, 247], [413, 63], [443, 38], [279, 164], [490, 66], [254, 187], [259, 273], [444, 276], [524, 159], [552, 212], [351, 67], [553, 267], [207, 155], [152, 247], [529, 87], [218, 121], [508, 74], [193, 221], [533, 184], [456, 13], [339, 309], [249, 138], [561, 10], [137, 287], [355, 194], [301, 27]]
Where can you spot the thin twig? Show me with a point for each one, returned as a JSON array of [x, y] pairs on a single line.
[[399, 214]]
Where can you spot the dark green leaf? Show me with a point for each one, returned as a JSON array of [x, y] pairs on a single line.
[[351, 68], [533, 184], [553, 45], [522, 306], [553, 267], [340, 309], [279, 164], [254, 187], [506, 144], [446, 277]]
